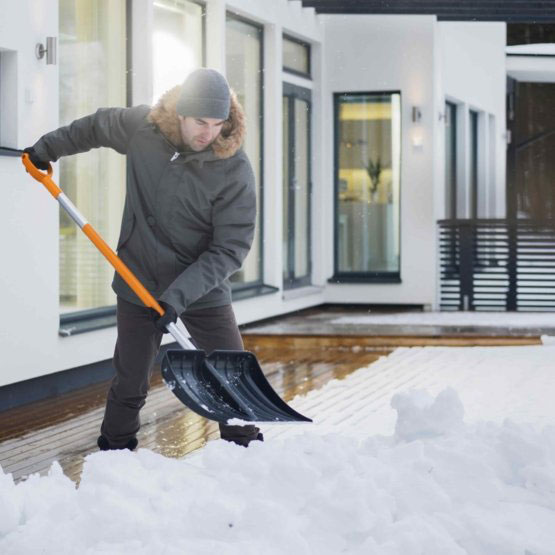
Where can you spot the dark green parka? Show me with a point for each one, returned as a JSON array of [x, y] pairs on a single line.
[[189, 217]]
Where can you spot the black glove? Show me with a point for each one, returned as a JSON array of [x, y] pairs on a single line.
[[170, 316], [37, 162]]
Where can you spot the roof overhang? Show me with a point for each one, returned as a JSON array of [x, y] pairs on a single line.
[[511, 11]]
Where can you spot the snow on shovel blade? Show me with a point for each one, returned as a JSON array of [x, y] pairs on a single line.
[[225, 385]]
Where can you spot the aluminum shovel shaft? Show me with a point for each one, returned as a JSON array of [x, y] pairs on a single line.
[[102, 246]]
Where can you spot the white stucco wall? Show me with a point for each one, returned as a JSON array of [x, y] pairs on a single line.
[[28, 216], [473, 75], [389, 53], [429, 62]]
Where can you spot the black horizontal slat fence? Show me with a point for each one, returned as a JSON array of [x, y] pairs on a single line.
[[497, 265]]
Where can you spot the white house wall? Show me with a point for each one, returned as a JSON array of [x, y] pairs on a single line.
[[388, 53], [28, 215], [473, 75]]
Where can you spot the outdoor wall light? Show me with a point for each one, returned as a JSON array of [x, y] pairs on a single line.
[[50, 51], [417, 141], [416, 114]]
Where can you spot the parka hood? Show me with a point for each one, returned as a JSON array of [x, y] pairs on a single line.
[[164, 116]]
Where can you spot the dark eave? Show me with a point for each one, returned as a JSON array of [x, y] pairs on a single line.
[[511, 11]]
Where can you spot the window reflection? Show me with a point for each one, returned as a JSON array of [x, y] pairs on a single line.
[[244, 74], [176, 42], [92, 74], [296, 186], [368, 182], [296, 56]]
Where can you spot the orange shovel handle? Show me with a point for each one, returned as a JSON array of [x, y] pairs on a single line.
[[128, 276]]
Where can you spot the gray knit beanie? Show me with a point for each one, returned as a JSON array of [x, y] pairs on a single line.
[[204, 94]]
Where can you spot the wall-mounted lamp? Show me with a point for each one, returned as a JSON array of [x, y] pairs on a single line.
[[50, 51], [416, 114], [417, 141]]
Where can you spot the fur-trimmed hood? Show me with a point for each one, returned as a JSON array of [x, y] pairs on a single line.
[[164, 116]]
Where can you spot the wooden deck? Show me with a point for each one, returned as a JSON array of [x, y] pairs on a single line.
[[65, 428]]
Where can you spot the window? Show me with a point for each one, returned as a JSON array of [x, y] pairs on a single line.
[[296, 56], [92, 73], [296, 186], [451, 159], [473, 164], [8, 99], [491, 177], [367, 186], [177, 42], [244, 74]]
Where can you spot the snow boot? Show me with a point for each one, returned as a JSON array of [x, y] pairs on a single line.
[[241, 435], [103, 444]]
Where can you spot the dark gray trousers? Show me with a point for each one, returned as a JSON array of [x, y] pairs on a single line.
[[137, 345]]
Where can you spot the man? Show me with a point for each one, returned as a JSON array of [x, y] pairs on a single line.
[[188, 224]]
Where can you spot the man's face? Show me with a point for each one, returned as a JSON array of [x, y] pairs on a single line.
[[199, 133]]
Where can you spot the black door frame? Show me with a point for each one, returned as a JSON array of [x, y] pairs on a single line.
[[292, 92], [451, 114]]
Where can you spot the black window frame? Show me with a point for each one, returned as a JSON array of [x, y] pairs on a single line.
[[240, 290], [293, 92], [6, 150], [339, 277], [307, 45], [451, 114], [473, 150]]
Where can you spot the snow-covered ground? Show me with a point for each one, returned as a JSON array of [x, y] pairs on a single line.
[[412, 455], [474, 319]]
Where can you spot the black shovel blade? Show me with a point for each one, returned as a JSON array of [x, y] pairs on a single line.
[[225, 385]]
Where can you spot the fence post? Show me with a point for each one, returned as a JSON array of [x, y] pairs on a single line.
[[466, 265], [512, 236]]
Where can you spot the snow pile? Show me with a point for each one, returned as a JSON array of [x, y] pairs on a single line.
[[437, 486], [420, 416]]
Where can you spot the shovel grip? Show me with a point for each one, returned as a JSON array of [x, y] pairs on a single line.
[[128, 276], [44, 178]]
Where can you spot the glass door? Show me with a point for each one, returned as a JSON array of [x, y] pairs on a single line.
[[296, 186]]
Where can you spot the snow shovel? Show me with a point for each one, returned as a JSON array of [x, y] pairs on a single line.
[[221, 386]]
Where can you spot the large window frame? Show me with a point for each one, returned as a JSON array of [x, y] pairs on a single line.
[[292, 92], [355, 276], [81, 321], [287, 69], [78, 321], [250, 288]]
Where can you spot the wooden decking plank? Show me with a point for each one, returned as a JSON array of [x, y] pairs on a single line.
[[384, 342]]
